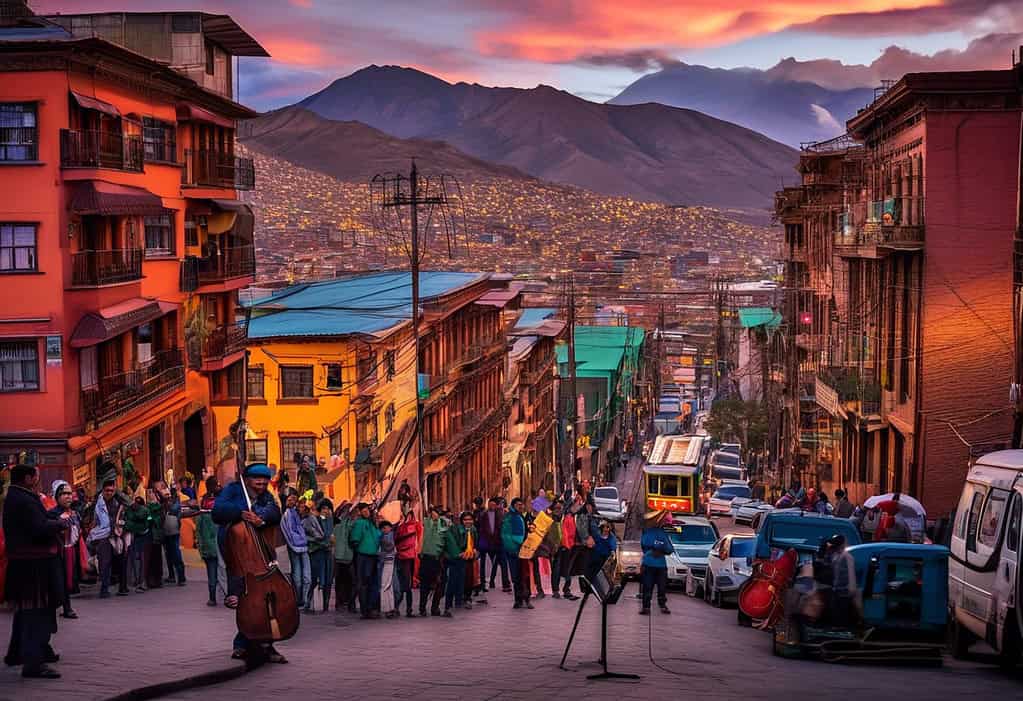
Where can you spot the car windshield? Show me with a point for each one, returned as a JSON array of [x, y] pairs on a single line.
[[742, 547], [606, 493], [692, 535], [727, 473], [732, 491], [726, 459]]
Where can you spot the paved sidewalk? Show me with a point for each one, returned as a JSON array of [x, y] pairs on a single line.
[[126, 642]]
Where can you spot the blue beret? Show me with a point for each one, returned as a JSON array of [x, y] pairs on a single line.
[[258, 469]]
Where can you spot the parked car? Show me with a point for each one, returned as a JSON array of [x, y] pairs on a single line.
[[721, 500], [985, 585], [630, 555], [609, 504], [692, 537], [750, 512], [729, 564], [733, 448]]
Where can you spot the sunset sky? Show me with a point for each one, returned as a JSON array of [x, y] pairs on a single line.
[[594, 48]]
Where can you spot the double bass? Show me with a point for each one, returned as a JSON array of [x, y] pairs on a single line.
[[267, 608]]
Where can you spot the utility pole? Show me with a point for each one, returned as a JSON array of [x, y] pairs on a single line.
[[413, 200], [573, 391], [718, 337], [241, 430]]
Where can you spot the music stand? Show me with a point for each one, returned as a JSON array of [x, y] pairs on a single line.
[[607, 595]]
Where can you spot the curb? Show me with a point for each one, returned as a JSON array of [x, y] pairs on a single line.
[[153, 691]]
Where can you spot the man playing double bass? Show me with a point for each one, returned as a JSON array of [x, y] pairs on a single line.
[[232, 507]]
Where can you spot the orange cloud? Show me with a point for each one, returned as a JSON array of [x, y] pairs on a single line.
[[296, 52], [615, 25]]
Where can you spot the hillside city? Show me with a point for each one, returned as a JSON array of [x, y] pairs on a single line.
[[531, 395]]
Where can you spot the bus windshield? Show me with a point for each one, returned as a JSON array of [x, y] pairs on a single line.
[[669, 485]]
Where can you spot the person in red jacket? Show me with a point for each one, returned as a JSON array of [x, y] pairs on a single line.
[[407, 539], [565, 558]]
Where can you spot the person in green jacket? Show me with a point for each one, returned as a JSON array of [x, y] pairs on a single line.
[[344, 556], [459, 550], [365, 539], [206, 538], [139, 520], [431, 558]]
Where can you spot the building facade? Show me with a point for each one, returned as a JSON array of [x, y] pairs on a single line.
[[105, 255], [899, 270]]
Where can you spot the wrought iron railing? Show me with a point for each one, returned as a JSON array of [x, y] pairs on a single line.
[[89, 268], [117, 393], [227, 263], [218, 169], [100, 149]]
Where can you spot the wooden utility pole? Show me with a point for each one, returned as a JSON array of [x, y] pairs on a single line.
[[718, 337], [241, 454]]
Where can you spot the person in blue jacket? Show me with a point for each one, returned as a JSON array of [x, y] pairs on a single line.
[[232, 507], [513, 533], [656, 547]]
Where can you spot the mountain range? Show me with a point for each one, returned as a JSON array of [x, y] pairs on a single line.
[[645, 151], [773, 102]]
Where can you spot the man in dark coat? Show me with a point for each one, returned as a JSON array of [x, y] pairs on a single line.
[[488, 525], [35, 583]]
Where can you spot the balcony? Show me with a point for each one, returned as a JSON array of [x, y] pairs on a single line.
[[94, 268], [188, 278], [228, 263], [100, 149], [218, 169], [222, 342], [874, 240], [854, 385], [116, 394]]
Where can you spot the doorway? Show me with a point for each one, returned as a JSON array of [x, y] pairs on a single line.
[[195, 446], [155, 453]]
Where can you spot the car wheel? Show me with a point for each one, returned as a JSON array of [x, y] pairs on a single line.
[[716, 599], [1010, 653], [707, 587], [743, 620], [960, 639]]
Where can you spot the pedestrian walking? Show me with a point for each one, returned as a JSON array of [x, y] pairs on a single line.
[[843, 507], [138, 521], [344, 575], [548, 549], [232, 507], [513, 533], [106, 540], [654, 569], [407, 538], [387, 572], [430, 561], [298, 545], [366, 541], [459, 551], [206, 538], [70, 541], [319, 530], [568, 553], [34, 582]]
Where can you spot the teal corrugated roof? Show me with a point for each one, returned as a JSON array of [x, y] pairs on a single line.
[[751, 317], [355, 304], [531, 316], [599, 349]]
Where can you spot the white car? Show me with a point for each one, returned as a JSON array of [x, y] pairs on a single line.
[[609, 504], [721, 500], [692, 537], [729, 564], [630, 555], [751, 512]]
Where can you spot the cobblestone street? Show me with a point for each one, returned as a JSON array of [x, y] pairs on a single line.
[[489, 652]]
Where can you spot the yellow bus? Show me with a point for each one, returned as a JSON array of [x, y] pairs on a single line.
[[672, 474]]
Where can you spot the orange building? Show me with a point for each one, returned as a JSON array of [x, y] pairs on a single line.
[[122, 243]]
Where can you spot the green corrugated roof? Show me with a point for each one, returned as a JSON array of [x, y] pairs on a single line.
[[599, 349], [751, 317], [354, 304]]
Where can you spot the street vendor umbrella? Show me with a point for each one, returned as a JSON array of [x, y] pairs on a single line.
[[908, 506]]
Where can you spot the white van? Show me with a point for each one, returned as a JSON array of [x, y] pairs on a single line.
[[985, 580]]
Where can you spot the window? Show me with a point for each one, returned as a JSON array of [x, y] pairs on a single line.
[[334, 376], [191, 231], [19, 134], [974, 520], [367, 367], [159, 140], [160, 235], [17, 247], [19, 366], [255, 450], [389, 362], [389, 418], [297, 381], [653, 484], [1013, 527], [335, 443], [256, 382], [234, 381], [991, 518], [292, 447], [210, 63], [669, 486], [144, 343], [185, 24]]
